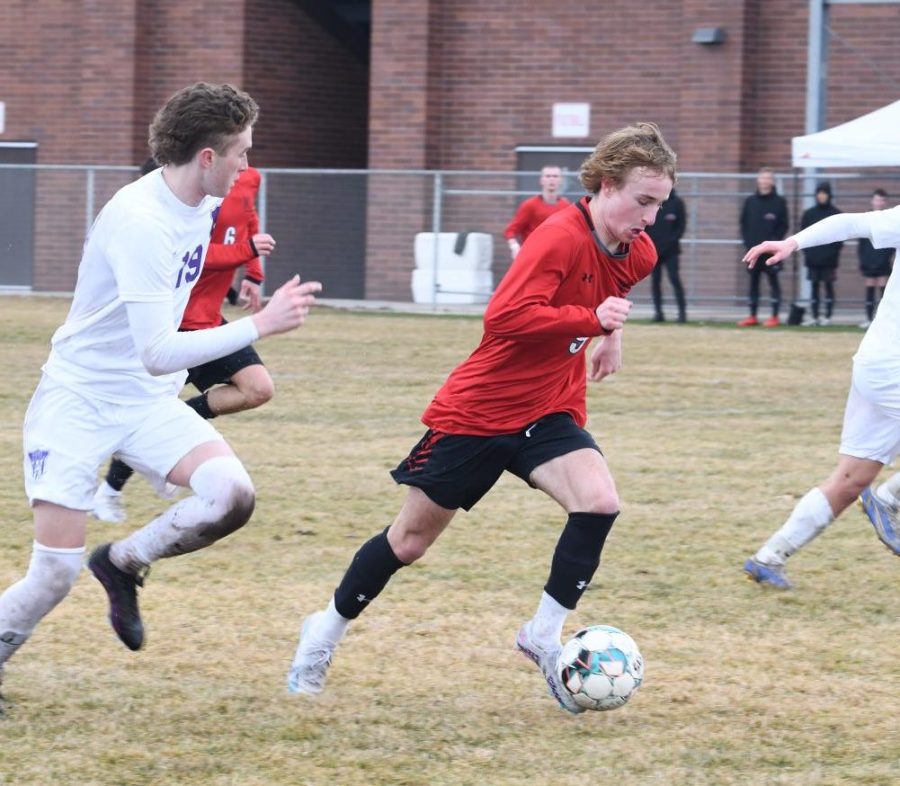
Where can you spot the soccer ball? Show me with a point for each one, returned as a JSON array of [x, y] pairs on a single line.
[[601, 667]]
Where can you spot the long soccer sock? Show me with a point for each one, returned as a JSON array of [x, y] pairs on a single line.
[[118, 473], [870, 303], [51, 574], [222, 503], [200, 405], [889, 491], [577, 556], [808, 519], [547, 623], [369, 572]]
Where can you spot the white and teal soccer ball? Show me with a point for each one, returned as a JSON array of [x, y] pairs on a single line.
[[601, 667]]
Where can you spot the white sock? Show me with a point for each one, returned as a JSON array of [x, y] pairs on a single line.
[[889, 491], [548, 621], [810, 516], [331, 626], [51, 574], [222, 489]]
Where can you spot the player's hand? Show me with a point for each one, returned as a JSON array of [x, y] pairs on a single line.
[[613, 312], [250, 296], [264, 243], [606, 357], [779, 249], [287, 308]]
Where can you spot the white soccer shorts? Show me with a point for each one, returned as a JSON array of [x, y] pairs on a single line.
[[872, 415], [67, 437]]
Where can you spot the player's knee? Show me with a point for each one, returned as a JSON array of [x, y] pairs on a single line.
[[226, 487], [259, 393], [599, 502], [410, 546]]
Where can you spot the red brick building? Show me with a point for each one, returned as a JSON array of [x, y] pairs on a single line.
[[414, 85]]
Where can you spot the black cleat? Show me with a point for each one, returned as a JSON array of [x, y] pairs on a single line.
[[121, 587]]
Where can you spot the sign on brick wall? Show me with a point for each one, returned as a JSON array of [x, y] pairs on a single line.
[[571, 120]]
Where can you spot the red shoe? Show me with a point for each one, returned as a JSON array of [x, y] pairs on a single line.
[[772, 322], [748, 322]]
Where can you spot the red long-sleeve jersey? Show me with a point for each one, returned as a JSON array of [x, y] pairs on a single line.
[[229, 248], [537, 326], [532, 212]]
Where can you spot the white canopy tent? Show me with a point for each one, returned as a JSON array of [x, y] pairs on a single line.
[[870, 140]]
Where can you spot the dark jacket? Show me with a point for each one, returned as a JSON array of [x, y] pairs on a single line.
[[669, 226], [763, 217], [821, 257], [874, 262]]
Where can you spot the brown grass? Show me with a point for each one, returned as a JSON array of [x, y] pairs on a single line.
[[712, 434]]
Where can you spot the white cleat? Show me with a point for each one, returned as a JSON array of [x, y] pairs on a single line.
[[107, 505], [546, 662], [310, 665]]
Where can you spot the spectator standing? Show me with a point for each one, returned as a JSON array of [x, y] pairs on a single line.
[[666, 235], [821, 261], [764, 217], [534, 210], [875, 264]]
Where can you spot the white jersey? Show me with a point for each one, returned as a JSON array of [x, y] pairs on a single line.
[[146, 246], [881, 344]]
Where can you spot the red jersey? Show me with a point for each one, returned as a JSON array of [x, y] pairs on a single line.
[[532, 212], [229, 248], [537, 326]]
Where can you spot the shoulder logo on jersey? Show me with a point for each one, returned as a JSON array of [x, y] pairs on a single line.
[[577, 344], [587, 277]]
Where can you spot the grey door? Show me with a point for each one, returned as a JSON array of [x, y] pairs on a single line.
[[17, 214]]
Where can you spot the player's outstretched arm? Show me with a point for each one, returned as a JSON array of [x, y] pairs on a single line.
[[287, 308], [779, 249]]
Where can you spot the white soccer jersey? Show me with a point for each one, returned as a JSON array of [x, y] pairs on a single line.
[[146, 246], [881, 344]]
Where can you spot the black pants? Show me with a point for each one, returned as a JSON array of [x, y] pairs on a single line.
[[759, 270], [670, 263]]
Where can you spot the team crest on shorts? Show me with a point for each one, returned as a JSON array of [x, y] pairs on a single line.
[[38, 459]]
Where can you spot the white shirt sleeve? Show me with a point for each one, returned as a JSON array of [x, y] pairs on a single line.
[[163, 350], [845, 226], [842, 226]]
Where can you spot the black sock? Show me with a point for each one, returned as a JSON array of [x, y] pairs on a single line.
[[368, 574], [870, 303], [118, 473], [231, 296], [200, 405], [577, 556]]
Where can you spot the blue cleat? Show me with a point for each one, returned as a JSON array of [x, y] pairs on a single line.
[[883, 518], [770, 575]]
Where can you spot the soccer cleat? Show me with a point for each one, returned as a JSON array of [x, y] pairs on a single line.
[[748, 322], [770, 575], [546, 662], [865, 324], [311, 661], [824, 321], [121, 587], [772, 322], [809, 322], [107, 505], [883, 518]]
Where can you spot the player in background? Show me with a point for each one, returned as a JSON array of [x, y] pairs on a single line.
[[239, 380], [871, 432], [536, 209], [875, 264], [111, 383], [517, 403]]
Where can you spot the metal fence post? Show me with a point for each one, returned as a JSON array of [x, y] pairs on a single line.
[[89, 202], [436, 199]]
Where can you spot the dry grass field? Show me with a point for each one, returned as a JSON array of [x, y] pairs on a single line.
[[712, 434]]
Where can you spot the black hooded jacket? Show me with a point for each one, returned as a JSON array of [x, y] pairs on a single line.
[[827, 256], [763, 217]]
